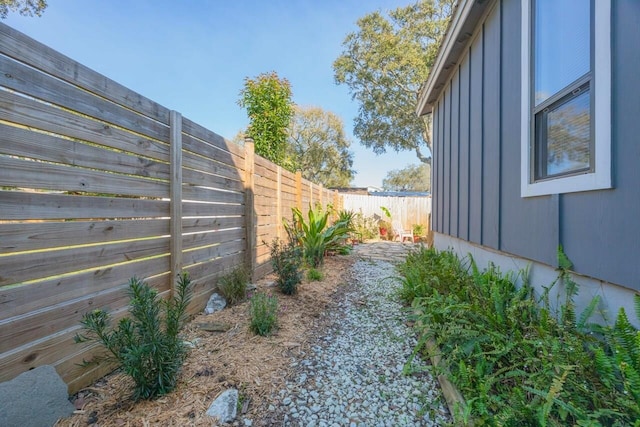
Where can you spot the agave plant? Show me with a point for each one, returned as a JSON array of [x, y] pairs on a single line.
[[314, 235]]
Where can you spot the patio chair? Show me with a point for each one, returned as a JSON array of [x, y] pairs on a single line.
[[400, 232]]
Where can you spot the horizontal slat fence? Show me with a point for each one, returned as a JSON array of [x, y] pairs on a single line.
[[408, 210], [99, 184]]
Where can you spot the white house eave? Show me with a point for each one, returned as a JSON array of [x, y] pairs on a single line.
[[462, 26]]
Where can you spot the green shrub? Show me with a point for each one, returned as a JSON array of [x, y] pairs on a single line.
[[365, 227], [314, 275], [286, 260], [263, 311], [233, 286], [314, 235], [516, 360], [147, 345]]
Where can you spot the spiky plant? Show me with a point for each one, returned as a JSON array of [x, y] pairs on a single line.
[[147, 344]]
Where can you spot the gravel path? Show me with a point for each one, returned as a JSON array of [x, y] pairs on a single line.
[[353, 375]]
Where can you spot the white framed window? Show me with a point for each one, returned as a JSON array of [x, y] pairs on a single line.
[[566, 96]]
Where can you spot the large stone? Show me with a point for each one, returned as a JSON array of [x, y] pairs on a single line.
[[216, 303], [225, 407], [34, 398]]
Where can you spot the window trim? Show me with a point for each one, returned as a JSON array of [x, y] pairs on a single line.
[[600, 178]]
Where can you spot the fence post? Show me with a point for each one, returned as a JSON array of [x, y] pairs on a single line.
[[299, 189], [321, 188], [249, 215], [279, 204], [175, 188]]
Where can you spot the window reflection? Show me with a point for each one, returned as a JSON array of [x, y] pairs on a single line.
[[562, 45], [568, 130]]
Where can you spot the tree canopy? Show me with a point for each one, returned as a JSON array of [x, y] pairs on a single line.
[[267, 99], [23, 7], [411, 178], [319, 147], [384, 63]]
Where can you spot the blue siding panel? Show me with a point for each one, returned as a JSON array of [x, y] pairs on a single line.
[[441, 208], [435, 155], [464, 189], [600, 230], [528, 226], [475, 142], [446, 227], [455, 159], [491, 132]]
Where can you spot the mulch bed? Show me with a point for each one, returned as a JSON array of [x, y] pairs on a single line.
[[236, 358]]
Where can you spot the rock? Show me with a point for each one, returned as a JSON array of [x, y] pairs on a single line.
[[247, 422], [216, 303], [37, 398], [225, 406], [251, 287]]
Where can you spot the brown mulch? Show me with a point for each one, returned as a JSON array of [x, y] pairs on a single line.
[[257, 366]]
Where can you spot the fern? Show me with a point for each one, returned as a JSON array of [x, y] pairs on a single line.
[[605, 367], [564, 263], [587, 313]]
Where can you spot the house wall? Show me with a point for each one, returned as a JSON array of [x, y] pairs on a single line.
[[476, 174], [541, 275]]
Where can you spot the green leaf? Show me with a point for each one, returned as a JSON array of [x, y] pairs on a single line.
[[563, 261]]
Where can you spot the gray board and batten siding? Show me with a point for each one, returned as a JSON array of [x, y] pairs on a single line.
[[476, 174]]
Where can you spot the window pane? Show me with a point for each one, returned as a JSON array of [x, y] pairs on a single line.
[[568, 129], [562, 44]]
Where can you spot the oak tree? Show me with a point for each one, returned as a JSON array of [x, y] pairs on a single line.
[[319, 147], [23, 7], [411, 178], [384, 63]]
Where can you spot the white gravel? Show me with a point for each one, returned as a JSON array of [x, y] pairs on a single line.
[[355, 374]]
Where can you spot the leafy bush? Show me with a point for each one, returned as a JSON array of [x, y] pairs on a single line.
[[233, 286], [314, 235], [516, 361], [147, 345], [314, 275], [263, 311], [366, 227], [418, 230], [286, 260]]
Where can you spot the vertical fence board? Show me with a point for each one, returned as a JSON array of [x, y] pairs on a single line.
[[250, 228], [176, 197]]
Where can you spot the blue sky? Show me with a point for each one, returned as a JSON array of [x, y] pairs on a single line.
[[193, 55]]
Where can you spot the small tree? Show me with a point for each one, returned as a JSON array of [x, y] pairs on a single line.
[[267, 99], [147, 345]]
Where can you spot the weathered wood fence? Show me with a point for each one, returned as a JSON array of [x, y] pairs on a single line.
[[408, 210], [99, 184]]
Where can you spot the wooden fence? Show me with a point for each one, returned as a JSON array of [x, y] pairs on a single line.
[[99, 184], [408, 210]]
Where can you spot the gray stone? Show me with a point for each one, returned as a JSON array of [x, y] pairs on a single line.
[[225, 406], [216, 303], [247, 422], [37, 398]]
